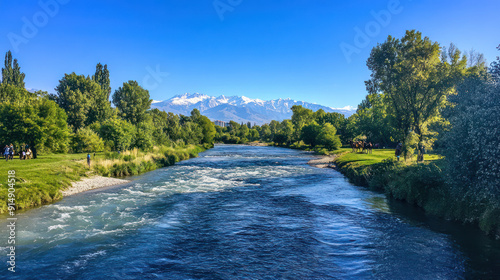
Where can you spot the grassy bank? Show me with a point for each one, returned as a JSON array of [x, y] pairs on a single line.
[[423, 184], [40, 181]]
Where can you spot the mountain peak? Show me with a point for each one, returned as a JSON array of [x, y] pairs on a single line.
[[239, 108]]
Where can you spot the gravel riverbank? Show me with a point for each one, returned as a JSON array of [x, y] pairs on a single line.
[[92, 183]]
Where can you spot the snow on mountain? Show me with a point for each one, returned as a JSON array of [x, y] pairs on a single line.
[[239, 108]]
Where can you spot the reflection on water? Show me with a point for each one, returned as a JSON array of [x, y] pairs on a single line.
[[240, 212]]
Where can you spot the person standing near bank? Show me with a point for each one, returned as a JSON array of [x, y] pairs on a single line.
[[88, 159], [6, 152]]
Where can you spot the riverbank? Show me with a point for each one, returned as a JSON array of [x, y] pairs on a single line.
[[93, 183], [323, 161], [49, 178], [421, 184]]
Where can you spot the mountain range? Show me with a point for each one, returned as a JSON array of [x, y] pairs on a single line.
[[239, 108]]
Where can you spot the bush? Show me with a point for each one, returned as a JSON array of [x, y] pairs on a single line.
[[86, 140]]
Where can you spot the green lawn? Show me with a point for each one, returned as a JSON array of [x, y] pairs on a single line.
[[46, 169], [39, 181], [376, 156]]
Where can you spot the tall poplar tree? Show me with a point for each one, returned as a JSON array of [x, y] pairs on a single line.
[[11, 73]]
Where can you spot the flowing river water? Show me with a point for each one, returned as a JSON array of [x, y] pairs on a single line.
[[242, 212]]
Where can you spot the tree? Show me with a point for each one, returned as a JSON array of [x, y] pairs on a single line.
[[208, 129], [86, 140], [39, 122], [101, 100], [338, 120], [265, 133], [310, 133], [143, 138], [12, 74], [472, 144], [132, 101], [82, 99], [327, 137], [414, 80], [301, 116], [285, 133], [101, 77], [495, 68], [373, 121], [118, 134], [13, 94]]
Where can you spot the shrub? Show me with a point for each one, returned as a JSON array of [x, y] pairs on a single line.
[[86, 140]]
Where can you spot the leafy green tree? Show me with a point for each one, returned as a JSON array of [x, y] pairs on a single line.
[[338, 120], [208, 129], [39, 122], [265, 133], [118, 134], [143, 138], [274, 127], [191, 133], [195, 115], [244, 131], [132, 101], [253, 135], [102, 105], [310, 133], [13, 94], [495, 68], [328, 137], [285, 133], [160, 129], [86, 140], [301, 117], [101, 77], [411, 75], [82, 99], [373, 121], [11, 73], [472, 145]]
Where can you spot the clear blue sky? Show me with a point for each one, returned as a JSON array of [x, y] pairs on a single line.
[[260, 49]]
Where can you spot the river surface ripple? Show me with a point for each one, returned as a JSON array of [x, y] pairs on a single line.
[[241, 212]]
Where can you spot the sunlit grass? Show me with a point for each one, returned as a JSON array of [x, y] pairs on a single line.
[[378, 155]]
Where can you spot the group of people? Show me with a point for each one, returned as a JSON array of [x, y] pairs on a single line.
[[9, 153]]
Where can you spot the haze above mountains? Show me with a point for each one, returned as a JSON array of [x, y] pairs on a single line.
[[239, 108]]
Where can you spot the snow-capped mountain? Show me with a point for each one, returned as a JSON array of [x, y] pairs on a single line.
[[239, 108]]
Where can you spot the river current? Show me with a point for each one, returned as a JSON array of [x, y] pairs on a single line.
[[242, 212]]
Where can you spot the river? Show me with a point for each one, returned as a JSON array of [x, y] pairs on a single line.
[[242, 212]]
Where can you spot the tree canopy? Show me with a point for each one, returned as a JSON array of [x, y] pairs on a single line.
[[132, 102]]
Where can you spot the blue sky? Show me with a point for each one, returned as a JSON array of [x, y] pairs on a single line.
[[259, 49]]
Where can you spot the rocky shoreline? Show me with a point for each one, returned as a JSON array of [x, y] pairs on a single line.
[[323, 161], [92, 183]]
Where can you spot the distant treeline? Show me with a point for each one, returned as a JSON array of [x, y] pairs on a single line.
[[79, 116]]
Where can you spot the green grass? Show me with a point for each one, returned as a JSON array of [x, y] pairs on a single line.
[[377, 156], [40, 181]]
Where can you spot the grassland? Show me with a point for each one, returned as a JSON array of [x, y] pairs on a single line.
[[377, 156], [40, 181]]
